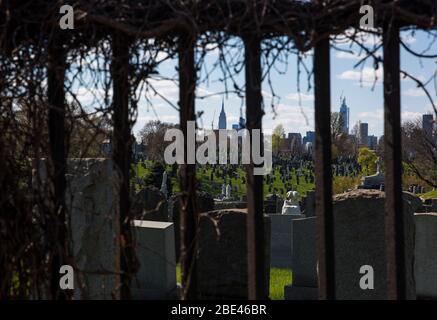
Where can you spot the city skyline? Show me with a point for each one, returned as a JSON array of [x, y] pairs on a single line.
[[287, 94]]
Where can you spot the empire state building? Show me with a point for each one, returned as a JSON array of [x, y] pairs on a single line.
[[222, 118]]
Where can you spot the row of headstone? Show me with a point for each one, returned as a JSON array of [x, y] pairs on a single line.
[[359, 232], [416, 189]]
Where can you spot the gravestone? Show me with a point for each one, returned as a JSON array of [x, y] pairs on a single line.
[[425, 264], [222, 255], [91, 200], [279, 204], [374, 181], [434, 205], [309, 204], [281, 249], [270, 204], [150, 204], [164, 184], [155, 250], [359, 231], [304, 261], [222, 205], [205, 202]]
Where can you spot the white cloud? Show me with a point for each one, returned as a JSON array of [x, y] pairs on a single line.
[[410, 116], [293, 118], [367, 76], [202, 92], [303, 96], [414, 92], [349, 55]]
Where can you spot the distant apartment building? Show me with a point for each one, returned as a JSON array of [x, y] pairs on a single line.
[[309, 137], [296, 140], [292, 144], [428, 125], [372, 142]]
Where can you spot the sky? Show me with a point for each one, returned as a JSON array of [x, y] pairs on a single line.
[[294, 110]]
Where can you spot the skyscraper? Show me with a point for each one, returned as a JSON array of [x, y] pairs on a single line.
[[310, 137], [363, 135], [222, 118], [344, 116]]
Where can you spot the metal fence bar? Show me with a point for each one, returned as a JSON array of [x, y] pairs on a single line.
[[324, 211], [56, 127], [188, 208], [122, 143], [254, 183], [394, 222]]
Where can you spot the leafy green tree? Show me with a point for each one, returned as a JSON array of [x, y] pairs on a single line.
[[367, 160], [277, 138]]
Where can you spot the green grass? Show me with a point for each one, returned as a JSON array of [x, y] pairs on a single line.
[[429, 195], [278, 279]]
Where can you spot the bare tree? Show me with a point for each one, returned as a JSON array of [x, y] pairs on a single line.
[[152, 136], [420, 152]]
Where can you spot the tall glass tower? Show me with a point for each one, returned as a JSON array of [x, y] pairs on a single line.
[[344, 116]]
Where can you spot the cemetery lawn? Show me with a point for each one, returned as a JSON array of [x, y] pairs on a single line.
[[429, 195], [278, 279]]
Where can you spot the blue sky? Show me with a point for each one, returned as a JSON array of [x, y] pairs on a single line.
[[363, 94]]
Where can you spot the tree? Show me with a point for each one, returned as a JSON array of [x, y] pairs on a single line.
[[367, 160], [154, 177], [152, 136], [419, 152], [277, 138], [342, 144]]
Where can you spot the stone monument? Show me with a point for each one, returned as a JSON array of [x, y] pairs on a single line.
[[291, 204]]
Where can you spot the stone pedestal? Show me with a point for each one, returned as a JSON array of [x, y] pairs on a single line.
[[304, 263], [281, 249], [222, 255], [155, 249], [425, 263], [359, 231]]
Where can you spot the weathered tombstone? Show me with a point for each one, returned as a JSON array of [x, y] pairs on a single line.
[[310, 204], [270, 204], [164, 184], [150, 204], [281, 249], [222, 205], [279, 204], [155, 249], [222, 255], [434, 205], [91, 199], [359, 231], [205, 202], [425, 263], [228, 192], [304, 262]]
